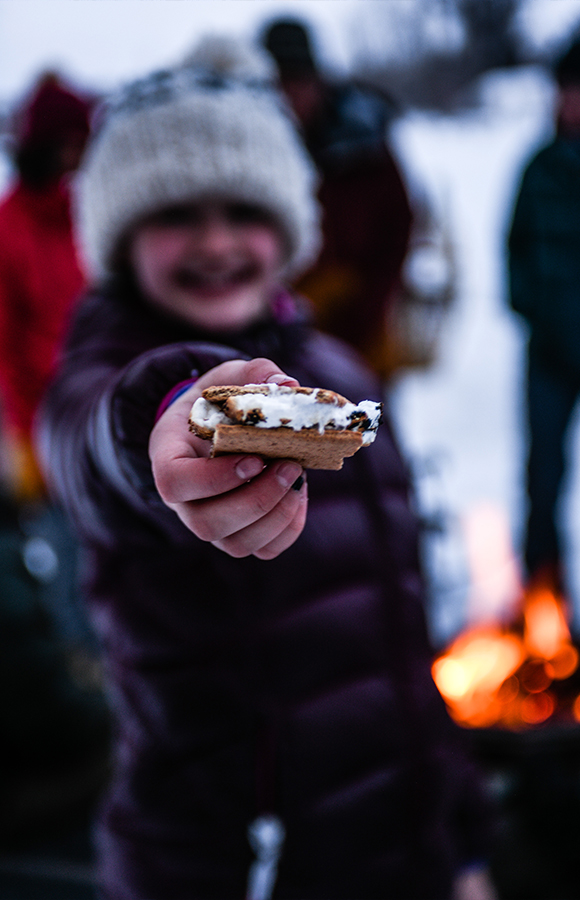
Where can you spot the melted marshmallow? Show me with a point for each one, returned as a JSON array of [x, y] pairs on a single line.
[[281, 406]]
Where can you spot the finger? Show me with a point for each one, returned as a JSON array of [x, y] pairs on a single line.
[[226, 515], [189, 478], [273, 533], [241, 371], [290, 534]]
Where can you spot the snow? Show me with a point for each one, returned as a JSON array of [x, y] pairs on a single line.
[[100, 43]]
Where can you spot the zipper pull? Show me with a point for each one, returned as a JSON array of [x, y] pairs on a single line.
[[266, 836]]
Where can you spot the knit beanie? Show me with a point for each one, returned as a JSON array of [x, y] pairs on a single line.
[[215, 127]]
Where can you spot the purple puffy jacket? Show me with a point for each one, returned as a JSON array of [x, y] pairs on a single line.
[[299, 685]]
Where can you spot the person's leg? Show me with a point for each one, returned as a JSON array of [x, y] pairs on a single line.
[[551, 401]]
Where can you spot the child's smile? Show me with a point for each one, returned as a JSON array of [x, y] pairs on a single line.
[[214, 264], [211, 283]]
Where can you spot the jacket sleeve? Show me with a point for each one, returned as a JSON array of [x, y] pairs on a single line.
[[93, 434]]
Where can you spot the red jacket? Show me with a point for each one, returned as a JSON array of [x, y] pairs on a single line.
[[40, 278]]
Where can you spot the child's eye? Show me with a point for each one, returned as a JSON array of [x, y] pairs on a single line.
[[246, 213], [178, 215]]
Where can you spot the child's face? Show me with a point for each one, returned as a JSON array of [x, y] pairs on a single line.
[[213, 264]]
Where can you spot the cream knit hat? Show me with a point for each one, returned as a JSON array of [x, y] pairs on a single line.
[[214, 127]]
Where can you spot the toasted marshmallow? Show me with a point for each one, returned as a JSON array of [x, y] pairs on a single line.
[[280, 406]]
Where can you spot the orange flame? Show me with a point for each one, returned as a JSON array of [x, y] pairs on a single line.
[[545, 627], [505, 676]]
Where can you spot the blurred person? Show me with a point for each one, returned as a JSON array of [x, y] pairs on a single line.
[[40, 274], [279, 732], [41, 279], [55, 720], [544, 277], [367, 215]]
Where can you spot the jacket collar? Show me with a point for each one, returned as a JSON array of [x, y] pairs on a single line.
[[280, 335]]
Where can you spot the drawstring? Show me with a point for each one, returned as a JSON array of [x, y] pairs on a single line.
[[266, 833], [266, 836]]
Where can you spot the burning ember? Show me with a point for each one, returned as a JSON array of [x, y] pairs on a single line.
[[510, 676], [516, 676]]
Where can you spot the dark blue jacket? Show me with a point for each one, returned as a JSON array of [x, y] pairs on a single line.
[[544, 254]]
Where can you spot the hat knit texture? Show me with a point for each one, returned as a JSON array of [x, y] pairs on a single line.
[[214, 128]]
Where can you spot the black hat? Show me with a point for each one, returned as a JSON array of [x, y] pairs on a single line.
[[567, 67], [289, 43]]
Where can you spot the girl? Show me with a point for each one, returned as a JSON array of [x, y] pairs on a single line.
[[269, 668]]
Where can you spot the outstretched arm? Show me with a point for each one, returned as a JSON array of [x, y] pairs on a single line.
[[237, 503]]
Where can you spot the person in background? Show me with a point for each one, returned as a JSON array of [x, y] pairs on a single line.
[[40, 273], [367, 215], [55, 720], [279, 732], [544, 281], [41, 279]]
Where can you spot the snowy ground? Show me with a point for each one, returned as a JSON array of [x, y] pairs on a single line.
[[461, 420]]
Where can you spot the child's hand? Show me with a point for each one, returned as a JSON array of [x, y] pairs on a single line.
[[237, 503]]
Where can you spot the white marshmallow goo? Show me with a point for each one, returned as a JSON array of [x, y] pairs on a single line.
[[281, 406]]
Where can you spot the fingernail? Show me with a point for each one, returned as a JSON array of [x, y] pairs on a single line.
[[288, 473], [298, 483], [279, 378], [249, 467]]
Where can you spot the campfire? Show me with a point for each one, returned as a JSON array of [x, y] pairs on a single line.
[[515, 674]]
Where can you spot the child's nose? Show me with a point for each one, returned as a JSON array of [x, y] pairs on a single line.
[[217, 235]]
